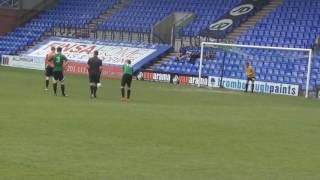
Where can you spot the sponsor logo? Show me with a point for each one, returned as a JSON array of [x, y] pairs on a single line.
[[147, 76], [80, 68], [81, 51], [27, 60], [5, 60], [261, 87], [228, 83], [172, 78], [151, 76], [195, 81], [140, 76], [183, 79], [161, 77], [175, 79], [236, 15], [242, 9], [221, 25], [23, 62]]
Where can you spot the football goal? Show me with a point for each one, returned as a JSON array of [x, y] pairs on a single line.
[[278, 70]]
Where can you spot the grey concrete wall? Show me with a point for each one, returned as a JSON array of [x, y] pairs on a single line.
[[166, 29], [30, 4], [178, 16], [162, 29]]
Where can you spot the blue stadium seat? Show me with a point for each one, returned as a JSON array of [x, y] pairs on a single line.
[[143, 14], [67, 13]]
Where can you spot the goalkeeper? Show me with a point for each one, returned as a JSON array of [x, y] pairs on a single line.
[[250, 76]]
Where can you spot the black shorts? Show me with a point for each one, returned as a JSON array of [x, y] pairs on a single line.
[[250, 79], [126, 80], [94, 77], [58, 75], [49, 71]]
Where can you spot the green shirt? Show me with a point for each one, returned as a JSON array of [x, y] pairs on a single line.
[[127, 69], [58, 60]]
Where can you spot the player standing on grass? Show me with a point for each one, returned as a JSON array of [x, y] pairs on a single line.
[[94, 69], [49, 66], [126, 79], [58, 59], [250, 76]]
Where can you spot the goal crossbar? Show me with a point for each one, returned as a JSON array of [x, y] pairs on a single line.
[[259, 47]]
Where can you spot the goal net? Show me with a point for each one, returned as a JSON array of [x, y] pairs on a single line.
[[278, 70]]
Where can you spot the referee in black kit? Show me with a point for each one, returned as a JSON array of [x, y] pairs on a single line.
[[94, 69]]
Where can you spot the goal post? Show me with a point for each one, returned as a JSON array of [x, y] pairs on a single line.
[[271, 48]]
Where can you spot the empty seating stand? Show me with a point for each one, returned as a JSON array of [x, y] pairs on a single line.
[[67, 13], [296, 23], [141, 15]]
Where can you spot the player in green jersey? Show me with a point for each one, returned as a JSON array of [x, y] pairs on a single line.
[[58, 60], [126, 79]]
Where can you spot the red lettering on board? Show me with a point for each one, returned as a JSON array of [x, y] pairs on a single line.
[[88, 50]]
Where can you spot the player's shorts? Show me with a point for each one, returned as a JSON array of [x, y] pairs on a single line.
[[250, 78], [94, 77], [58, 75], [49, 71], [126, 80]]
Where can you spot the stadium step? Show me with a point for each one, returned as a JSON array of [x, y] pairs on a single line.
[[253, 20], [45, 36], [93, 24], [162, 59]]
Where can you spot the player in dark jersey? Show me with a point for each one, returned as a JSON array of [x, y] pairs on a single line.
[[58, 59], [126, 79], [49, 66], [94, 69]]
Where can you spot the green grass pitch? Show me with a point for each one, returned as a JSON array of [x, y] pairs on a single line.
[[167, 132]]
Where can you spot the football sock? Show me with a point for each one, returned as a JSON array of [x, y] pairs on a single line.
[[91, 90], [122, 92], [95, 91], [128, 93], [63, 89], [55, 88], [47, 83]]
